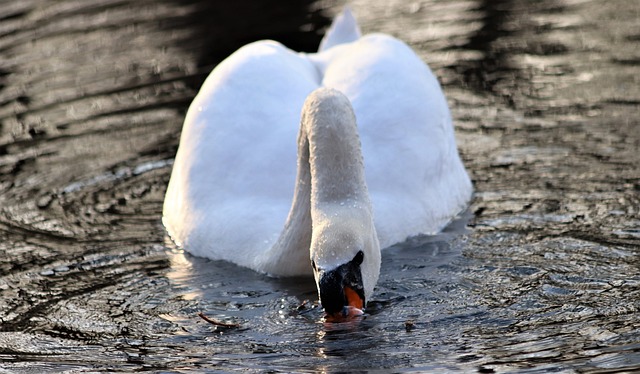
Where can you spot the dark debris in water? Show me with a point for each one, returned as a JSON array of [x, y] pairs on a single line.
[[217, 323], [541, 277]]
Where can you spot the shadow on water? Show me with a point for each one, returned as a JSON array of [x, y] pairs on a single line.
[[218, 28], [505, 35], [543, 276], [481, 75]]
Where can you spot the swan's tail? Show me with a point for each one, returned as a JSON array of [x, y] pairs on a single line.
[[344, 29]]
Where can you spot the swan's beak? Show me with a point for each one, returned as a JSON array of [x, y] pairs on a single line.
[[342, 293]]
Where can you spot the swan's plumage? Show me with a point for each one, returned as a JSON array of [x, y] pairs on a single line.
[[233, 178]]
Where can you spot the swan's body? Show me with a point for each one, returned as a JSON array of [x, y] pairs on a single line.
[[231, 194]]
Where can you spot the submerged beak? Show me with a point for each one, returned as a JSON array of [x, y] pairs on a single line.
[[342, 293]]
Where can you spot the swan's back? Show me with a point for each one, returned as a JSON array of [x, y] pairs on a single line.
[[414, 174], [234, 173]]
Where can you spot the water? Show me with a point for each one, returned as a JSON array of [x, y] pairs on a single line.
[[541, 274]]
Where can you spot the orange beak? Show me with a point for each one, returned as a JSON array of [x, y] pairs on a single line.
[[341, 291], [353, 299], [353, 309]]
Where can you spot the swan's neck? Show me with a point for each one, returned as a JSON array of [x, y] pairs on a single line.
[[330, 179], [335, 159]]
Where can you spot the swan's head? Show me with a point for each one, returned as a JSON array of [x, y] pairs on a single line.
[[346, 264]]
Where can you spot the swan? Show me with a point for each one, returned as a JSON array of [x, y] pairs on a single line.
[[309, 163]]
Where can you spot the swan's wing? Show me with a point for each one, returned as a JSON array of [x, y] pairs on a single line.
[[234, 173], [415, 177], [344, 29]]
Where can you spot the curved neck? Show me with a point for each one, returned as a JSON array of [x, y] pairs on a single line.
[[335, 158], [330, 173]]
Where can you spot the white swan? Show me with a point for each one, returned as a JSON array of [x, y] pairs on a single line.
[[236, 193]]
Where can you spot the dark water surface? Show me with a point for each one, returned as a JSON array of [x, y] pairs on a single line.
[[542, 274]]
